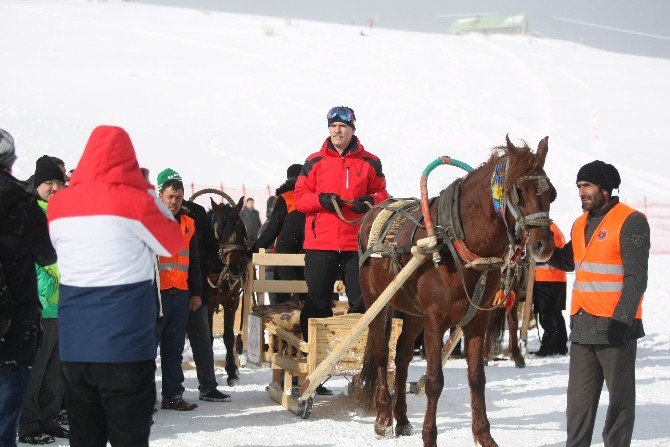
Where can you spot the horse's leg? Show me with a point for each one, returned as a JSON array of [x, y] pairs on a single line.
[[384, 421], [474, 341], [513, 324], [411, 328], [434, 329], [229, 337]]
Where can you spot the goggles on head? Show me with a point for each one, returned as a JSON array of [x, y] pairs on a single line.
[[343, 113]]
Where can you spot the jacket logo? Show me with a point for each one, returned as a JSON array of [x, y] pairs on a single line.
[[186, 230], [358, 173], [637, 240], [602, 234]]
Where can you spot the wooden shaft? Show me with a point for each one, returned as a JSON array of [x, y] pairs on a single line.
[[315, 378], [528, 305]]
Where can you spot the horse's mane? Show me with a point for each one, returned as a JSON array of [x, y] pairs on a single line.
[[522, 161]]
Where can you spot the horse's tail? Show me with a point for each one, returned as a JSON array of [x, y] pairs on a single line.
[[368, 377]]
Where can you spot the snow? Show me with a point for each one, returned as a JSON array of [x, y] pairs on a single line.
[[216, 98]]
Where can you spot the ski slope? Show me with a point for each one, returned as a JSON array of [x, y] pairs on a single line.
[[235, 99]]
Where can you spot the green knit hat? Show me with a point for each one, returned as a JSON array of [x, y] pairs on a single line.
[[164, 176]]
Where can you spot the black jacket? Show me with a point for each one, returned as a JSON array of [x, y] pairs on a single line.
[[207, 245], [24, 241], [287, 228]]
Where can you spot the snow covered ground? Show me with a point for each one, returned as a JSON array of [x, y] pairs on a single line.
[[236, 99]]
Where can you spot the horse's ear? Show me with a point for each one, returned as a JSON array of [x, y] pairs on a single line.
[[510, 146], [239, 205], [542, 149], [214, 205]]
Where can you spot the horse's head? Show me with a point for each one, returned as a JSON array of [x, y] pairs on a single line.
[[527, 195], [231, 234]]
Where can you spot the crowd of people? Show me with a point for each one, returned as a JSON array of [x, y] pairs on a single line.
[[120, 273]]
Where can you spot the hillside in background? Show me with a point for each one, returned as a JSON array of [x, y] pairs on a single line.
[[234, 99]]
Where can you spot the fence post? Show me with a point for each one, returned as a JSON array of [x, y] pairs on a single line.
[[244, 190], [192, 188]]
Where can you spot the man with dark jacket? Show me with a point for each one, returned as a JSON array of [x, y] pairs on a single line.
[[39, 417], [181, 290], [286, 226], [24, 242], [251, 219], [609, 253], [344, 173], [197, 328]]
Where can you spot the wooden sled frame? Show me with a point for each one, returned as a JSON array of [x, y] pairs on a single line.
[[290, 357]]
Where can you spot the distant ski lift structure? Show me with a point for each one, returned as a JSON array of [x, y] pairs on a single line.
[[489, 24]]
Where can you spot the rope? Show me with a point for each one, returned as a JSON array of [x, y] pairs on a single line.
[[341, 216]]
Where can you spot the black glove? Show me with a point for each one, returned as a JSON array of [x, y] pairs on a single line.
[[616, 333], [360, 205], [325, 199]]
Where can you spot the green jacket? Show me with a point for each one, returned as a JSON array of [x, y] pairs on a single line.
[[48, 281]]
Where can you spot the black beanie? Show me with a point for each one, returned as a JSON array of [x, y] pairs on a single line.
[[46, 170], [600, 173], [293, 171]]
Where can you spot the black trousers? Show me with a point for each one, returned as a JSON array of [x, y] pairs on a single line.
[[548, 302], [589, 366], [42, 404], [322, 269], [110, 402]]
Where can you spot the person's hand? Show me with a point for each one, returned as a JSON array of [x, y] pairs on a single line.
[[362, 204], [325, 199], [194, 303], [616, 333]]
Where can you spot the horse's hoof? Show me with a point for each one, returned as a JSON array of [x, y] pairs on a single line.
[[233, 381], [404, 430], [383, 431], [520, 363]]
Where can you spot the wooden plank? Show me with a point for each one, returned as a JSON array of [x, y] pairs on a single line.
[[287, 401], [293, 366], [292, 339], [283, 259], [528, 304], [279, 286], [256, 340], [247, 302], [315, 378]]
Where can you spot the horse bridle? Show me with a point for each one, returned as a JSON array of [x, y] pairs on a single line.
[[226, 274], [511, 201]]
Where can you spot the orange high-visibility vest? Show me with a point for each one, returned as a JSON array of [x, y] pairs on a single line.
[[598, 265], [173, 270], [290, 201], [546, 273]]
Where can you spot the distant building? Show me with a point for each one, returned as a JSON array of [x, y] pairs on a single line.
[[492, 24]]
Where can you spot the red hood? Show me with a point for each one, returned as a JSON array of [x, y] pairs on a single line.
[[109, 157]]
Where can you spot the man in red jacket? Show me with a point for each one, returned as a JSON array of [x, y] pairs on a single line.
[[345, 173]]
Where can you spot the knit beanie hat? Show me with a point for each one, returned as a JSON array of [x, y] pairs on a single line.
[[165, 175], [293, 171], [45, 170], [7, 151], [600, 173]]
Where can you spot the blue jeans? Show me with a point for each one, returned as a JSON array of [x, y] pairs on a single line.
[[13, 386], [172, 338]]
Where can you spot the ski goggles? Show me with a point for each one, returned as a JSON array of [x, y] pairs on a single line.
[[341, 113]]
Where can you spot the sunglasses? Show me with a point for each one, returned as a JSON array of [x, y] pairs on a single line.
[[344, 113]]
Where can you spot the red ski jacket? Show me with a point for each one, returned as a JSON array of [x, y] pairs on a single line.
[[354, 174]]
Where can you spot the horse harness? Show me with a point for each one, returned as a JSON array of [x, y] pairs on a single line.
[[390, 220]]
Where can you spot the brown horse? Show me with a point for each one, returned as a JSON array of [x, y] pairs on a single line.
[[434, 298], [227, 281]]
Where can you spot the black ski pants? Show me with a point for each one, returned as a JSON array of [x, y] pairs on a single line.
[[322, 269], [110, 402]]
